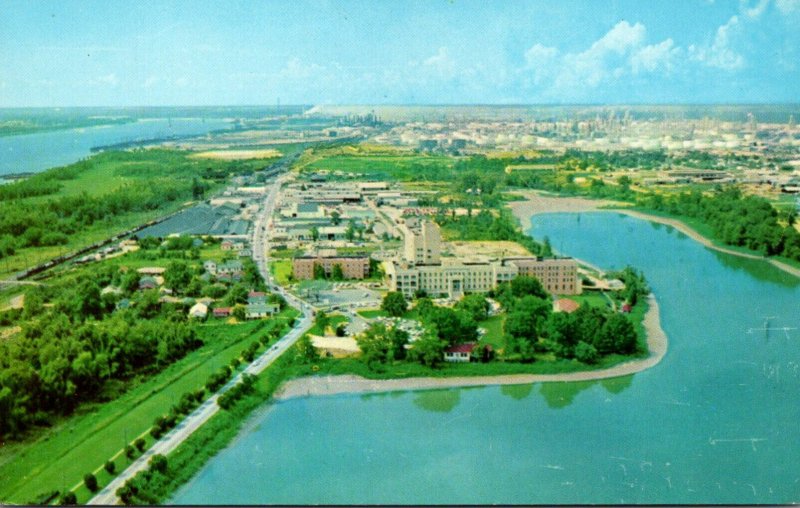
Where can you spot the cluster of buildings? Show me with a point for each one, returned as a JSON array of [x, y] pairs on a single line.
[[421, 268]]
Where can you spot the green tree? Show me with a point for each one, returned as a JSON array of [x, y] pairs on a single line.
[[394, 303], [350, 232], [239, 312], [305, 350], [336, 218], [319, 271], [158, 463], [177, 275], [476, 305], [110, 467], [321, 321], [90, 481], [428, 350], [617, 336], [585, 353], [130, 451], [337, 273], [314, 233], [139, 444], [68, 499], [525, 286]]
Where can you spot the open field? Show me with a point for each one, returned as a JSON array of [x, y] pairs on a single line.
[[61, 455], [281, 270], [491, 249], [396, 167], [233, 155]]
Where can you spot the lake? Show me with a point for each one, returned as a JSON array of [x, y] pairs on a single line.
[[715, 422], [32, 153]]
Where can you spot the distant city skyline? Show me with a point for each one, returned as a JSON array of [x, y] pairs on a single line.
[[87, 53]]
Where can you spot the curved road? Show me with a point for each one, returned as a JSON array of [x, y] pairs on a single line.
[[209, 408]]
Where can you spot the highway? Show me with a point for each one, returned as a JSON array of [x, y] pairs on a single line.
[[170, 441]]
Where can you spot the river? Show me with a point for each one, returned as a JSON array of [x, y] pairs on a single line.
[[715, 422], [32, 153]]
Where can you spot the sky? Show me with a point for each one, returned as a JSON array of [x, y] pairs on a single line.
[[138, 52]]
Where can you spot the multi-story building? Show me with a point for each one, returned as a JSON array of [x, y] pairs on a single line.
[[454, 278], [423, 269], [353, 267], [422, 243], [558, 275]]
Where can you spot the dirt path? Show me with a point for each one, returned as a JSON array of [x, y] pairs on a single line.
[[331, 385], [536, 203]]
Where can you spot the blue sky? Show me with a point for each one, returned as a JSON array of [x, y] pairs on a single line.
[[120, 53]]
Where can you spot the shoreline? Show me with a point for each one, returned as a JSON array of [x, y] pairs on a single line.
[[333, 385], [536, 203]]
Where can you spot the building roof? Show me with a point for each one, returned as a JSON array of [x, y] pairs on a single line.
[[566, 305], [461, 348]]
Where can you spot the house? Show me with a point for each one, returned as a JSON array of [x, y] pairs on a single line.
[[565, 305], [245, 253], [221, 312], [147, 283], [152, 270], [123, 304], [626, 308], [256, 297], [459, 352], [261, 310], [111, 289], [210, 267], [226, 245], [230, 268], [199, 311]]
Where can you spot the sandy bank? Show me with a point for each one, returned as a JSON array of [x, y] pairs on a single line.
[[331, 385], [536, 203]]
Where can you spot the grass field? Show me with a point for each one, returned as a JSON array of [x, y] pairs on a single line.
[[397, 167], [61, 455], [494, 332], [281, 271]]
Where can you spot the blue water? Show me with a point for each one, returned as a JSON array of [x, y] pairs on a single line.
[[40, 151], [715, 422]]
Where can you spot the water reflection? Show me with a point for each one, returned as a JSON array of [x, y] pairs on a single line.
[[517, 392], [617, 385], [759, 269], [439, 401], [562, 394]]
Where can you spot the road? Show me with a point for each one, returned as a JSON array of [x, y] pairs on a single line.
[[209, 408]]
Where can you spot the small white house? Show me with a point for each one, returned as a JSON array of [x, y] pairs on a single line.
[[459, 352], [199, 311], [210, 266]]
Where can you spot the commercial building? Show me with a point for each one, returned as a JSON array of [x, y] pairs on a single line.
[[353, 267], [423, 269]]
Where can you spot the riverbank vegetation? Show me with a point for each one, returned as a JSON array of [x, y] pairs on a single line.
[[67, 208], [99, 356]]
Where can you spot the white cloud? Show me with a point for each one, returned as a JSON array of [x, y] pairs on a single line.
[[618, 52], [655, 56], [441, 64], [619, 39], [788, 6], [721, 53], [754, 12]]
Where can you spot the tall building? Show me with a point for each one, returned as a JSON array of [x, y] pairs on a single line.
[[422, 243]]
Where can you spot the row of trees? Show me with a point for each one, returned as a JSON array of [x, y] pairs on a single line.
[[736, 219]]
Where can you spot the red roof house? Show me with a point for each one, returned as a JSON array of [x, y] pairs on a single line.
[[459, 352]]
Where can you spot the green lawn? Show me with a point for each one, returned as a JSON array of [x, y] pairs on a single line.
[[373, 313], [281, 271], [591, 298], [397, 167], [61, 455], [494, 331]]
